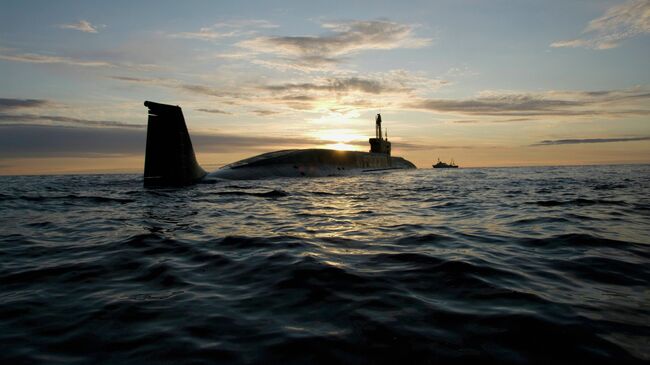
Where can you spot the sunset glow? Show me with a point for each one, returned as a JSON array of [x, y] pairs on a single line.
[[343, 147], [556, 83]]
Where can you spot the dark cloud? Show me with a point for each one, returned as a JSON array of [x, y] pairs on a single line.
[[25, 140], [214, 111], [43, 141], [298, 98], [467, 121], [315, 52], [209, 91], [58, 141], [339, 85], [507, 105], [573, 103], [9, 104], [177, 84], [474, 121], [204, 90], [264, 112], [13, 118], [589, 140], [131, 79]]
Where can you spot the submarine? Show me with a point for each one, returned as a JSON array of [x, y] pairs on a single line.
[[170, 158]]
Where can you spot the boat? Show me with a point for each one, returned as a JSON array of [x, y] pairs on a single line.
[[443, 165], [170, 159]]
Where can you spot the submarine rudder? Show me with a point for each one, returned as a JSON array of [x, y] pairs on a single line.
[[169, 156]]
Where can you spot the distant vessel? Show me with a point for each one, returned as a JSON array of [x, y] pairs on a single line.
[[170, 158], [443, 165]]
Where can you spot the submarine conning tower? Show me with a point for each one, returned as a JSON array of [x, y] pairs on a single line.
[[379, 144]]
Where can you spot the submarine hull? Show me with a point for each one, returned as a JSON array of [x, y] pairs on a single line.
[[310, 163]]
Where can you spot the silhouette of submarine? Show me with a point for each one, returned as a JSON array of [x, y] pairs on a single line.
[[170, 158]]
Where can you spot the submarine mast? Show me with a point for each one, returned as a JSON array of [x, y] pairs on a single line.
[[379, 144], [378, 126]]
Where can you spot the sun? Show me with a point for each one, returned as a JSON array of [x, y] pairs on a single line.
[[342, 147], [341, 139]]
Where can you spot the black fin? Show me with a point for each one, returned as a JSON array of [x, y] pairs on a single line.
[[169, 159]]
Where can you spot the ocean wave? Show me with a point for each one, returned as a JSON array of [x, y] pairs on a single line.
[[526, 265], [72, 199], [265, 194], [578, 202]]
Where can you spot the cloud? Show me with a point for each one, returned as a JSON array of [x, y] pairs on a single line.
[[298, 98], [611, 103], [395, 81], [133, 79], [504, 105], [39, 141], [177, 84], [383, 89], [233, 55], [338, 85], [207, 90], [9, 115], [310, 53], [10, 104], [13, 55], [304, 64], [214, 111], [10, 119], [589, 140], [202, 89], [205, 34], [245, 23], [402, 90], [21, 141], [474, 121], [49, 59], [226, 29], [264, 112], [461, 71], [619, 22], [60, 141], [82, 26]]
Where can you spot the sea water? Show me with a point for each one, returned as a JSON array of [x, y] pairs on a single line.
[[507, 265]]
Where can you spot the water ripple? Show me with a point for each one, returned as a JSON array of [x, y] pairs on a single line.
[[522, 265]]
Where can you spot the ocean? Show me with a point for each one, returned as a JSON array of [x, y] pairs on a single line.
[[502, 265]]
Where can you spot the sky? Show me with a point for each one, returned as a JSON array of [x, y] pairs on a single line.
[[487, 83]]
